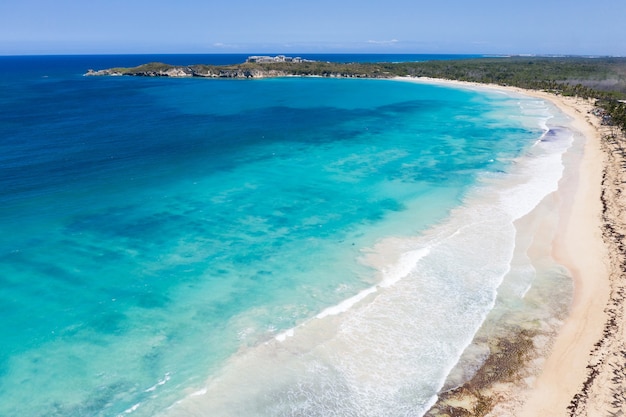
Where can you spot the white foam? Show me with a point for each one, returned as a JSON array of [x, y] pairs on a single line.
[[158, 384], [408, 261], [131, 409], [284, 335], [346, 304], [391, 275], [200, 392], [541, 173]]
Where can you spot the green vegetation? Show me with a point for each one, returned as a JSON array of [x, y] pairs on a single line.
[[606, 74], [603, 79], [145, 68], [616, 110]]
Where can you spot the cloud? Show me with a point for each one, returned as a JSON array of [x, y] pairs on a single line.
[[391, 42], [222, 45]]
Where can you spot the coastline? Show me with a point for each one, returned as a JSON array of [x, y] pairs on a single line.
[[527, 375], [579, 246]]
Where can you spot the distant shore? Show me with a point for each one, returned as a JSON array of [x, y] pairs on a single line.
[[580, 371]]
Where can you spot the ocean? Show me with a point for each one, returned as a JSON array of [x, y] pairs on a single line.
[[274, 247]]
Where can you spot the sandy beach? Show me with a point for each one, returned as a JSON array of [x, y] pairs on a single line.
[[576, 367]]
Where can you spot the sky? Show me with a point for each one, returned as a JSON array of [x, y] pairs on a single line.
[[573, 27]]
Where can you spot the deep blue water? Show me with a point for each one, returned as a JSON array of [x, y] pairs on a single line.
[[152, 228]]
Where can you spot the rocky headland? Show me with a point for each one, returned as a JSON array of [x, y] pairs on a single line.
[[164, 70], [254, 67]]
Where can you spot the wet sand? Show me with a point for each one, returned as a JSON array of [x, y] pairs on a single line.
[[575, 366]]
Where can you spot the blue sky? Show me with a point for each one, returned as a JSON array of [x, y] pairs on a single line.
[[245, 26]]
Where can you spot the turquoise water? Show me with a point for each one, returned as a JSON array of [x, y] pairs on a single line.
[[157, 231]]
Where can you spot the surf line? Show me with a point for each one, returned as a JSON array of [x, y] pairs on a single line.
[[408, 261]]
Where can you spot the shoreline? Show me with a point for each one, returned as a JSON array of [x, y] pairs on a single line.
[[520, 378], [580, 247]]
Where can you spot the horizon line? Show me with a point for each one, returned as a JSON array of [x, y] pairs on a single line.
[[478, 54]]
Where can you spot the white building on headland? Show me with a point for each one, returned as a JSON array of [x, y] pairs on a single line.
[[263, 59]]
